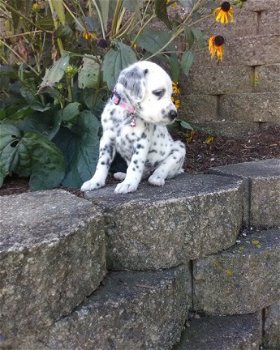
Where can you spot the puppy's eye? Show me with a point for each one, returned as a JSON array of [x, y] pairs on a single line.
[[159, 93]]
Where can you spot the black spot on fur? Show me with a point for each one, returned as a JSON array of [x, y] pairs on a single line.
[[112, 112]]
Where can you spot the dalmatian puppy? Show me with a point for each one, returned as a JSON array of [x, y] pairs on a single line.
[[134, 124]]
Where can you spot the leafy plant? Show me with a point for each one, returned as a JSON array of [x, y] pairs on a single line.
[[59, 62]]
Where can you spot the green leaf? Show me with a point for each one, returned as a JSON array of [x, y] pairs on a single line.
[[89, 73], [153, 41], [161, 12], [174, 67], [30, 155], [55, 73], [9, 139], [58, 7], [80, 146], [189, 36], [115, 60], [47, 161], [187, 61], [200, 37], [71, 111], [104, 9], [185, 124]]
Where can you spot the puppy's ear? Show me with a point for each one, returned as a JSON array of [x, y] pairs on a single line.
[[133, 81]]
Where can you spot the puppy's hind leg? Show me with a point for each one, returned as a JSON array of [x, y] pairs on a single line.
[[171, 166]]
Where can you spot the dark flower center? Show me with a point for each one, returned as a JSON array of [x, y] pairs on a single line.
[[102, 43], [225, 6], [219, 40]]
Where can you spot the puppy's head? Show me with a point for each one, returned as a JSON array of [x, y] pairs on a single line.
[[148, 88]]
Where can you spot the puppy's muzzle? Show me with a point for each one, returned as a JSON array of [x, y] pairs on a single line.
[[172, 115]]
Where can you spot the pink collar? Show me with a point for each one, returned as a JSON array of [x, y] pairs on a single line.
[[116, 98]]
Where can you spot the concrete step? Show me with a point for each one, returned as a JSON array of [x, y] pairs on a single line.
[[52, 255], [132, 310], [242, 279], [238, 332], [262, 190], [160, 227]]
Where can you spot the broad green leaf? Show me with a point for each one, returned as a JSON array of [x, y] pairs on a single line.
[[9, 140], [187, 61], [185, 124], [80, 146], [153, 41], [161, 12], [131, 5], [47, 162], [200, 37], [55, 73], [89, 73], [58, 7], [104, 9], [189, 36], [174, 67], [71, 111], [30, 154], [47, 123], [115, 60]]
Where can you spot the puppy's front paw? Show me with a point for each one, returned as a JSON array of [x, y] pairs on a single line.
[[156, 180], [92, 185], [125, 187]]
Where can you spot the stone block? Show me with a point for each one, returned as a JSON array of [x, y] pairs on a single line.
[[270, 22], [251, 50], [267, 78], [230, 129], [238, 332], [218, 80], [255, 107], [130, 311], [242, 279], [52, 255], [198, 107], [272, 327], [161, 227], [260, 5], [263, 188]]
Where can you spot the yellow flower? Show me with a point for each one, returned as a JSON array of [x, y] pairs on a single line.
[[89, 35], [175, 94], [36, 7], [224, 13], [216, 46], [175, 88]]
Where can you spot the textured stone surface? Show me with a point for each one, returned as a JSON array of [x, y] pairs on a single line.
[[132, 310], [251, 50], [270, 21], [242, 279], [257, 107], [263, 188], [219, 80], [52, 255], [272, 327], [237, 129], [198, 107], [261, 5], [237, 332], [268, 78], [160, 227]]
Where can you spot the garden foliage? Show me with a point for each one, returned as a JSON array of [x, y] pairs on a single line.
[[59, 62]]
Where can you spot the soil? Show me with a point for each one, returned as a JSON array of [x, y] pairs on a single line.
[[203, 152]]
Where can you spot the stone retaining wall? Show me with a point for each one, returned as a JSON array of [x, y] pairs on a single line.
[[135, 271], [240, 93]]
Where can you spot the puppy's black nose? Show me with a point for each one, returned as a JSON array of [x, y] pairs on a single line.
[[172, 115]]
